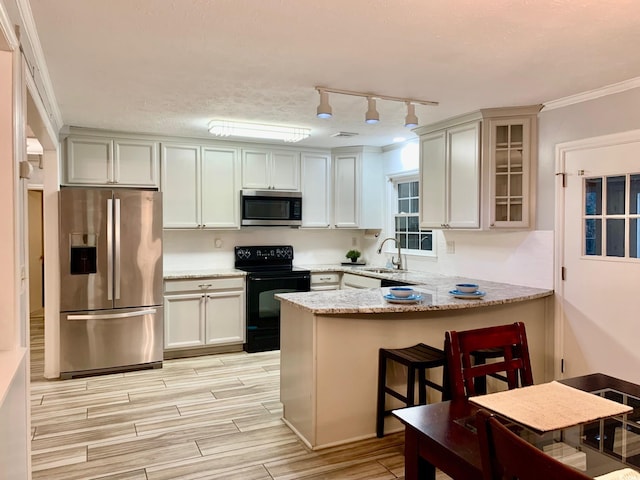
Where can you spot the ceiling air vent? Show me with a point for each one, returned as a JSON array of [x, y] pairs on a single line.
[[343, 134]]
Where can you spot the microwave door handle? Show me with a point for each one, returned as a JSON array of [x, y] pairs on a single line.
[[109, 249], [116, 267]]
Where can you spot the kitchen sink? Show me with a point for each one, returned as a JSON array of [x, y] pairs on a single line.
[[382, 270]]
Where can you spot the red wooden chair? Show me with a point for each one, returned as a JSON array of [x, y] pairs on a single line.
[[507, 456], [515, 363]]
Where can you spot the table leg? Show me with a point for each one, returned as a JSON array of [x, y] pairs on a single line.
[[415, 467]]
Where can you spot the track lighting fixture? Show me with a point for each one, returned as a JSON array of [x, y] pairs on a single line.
[[411, 120], [324, 109], [372, 115]]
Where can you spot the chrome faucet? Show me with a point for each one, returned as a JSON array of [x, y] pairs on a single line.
[[397, 264]]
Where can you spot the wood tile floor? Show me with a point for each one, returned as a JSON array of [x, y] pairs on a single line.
[[209, 417]]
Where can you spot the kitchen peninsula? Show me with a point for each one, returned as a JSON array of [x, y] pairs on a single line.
[[330, 341]]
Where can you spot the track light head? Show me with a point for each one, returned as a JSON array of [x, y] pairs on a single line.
[[411, 120], [372, 115], [324, 109]]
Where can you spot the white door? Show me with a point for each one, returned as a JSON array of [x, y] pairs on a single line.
[[597, 243]]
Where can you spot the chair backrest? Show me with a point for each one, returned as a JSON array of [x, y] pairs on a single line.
[[515, 364], [507, 456]]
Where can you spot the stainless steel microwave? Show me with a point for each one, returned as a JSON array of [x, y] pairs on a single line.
[[271, 208]]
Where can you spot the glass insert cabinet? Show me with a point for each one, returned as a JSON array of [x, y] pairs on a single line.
[[510, 150]]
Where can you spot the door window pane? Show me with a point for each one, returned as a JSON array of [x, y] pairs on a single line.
[[593, 196], [634, 194], [615, 195], [593, 236], [615, 237], [634, 237]]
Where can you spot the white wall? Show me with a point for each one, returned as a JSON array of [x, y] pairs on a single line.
[[195, 249], [614, 113], [518, 257]]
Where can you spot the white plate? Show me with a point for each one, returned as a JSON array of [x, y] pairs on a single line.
[[410, 299], [458, 294]]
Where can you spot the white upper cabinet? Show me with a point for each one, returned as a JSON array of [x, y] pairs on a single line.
[[270, 169], [220, 177], [181, 186], [510, 156], [358, 188], [96, 160], [450, 177], [478, 170], [200, 186], [316, 190]]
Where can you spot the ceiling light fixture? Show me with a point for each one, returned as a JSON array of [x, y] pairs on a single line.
[[226, 128], [324, 109], [372, 115], [411, 120]]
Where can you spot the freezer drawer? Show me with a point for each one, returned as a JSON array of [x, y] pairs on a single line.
[[110, 340]]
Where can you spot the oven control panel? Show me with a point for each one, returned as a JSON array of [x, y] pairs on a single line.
[[267, 254]]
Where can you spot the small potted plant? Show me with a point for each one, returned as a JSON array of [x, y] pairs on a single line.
[[353, 255]]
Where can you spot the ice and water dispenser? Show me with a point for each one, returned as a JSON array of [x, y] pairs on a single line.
[[83, 253]]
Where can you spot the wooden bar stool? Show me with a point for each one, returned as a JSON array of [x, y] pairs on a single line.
[[417, 359]]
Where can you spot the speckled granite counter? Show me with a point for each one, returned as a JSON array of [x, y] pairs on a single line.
[[434, 290], [189, 274]]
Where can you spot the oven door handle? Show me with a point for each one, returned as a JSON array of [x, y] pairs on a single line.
[[301, 277]]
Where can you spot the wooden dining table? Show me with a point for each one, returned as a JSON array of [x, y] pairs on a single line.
[[441, 435]]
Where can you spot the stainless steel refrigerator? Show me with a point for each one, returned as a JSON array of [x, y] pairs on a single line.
[[111, 316]]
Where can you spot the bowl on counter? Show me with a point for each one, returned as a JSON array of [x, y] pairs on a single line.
[[401, 292], [467, 287]]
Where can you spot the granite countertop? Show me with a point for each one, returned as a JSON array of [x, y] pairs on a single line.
[[217, 272], [433, 288]]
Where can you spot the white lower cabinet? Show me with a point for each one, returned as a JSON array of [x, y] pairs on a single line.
[[350, 280], [325, 281], [204, 312]]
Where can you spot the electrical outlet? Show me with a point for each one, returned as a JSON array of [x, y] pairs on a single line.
[[451, 246], [354, 241], [218, 242]]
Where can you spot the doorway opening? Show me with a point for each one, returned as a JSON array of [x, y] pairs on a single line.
[[36, 281]]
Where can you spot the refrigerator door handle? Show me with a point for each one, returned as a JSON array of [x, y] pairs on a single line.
[[109, 249], [107, 316], [116, 269]]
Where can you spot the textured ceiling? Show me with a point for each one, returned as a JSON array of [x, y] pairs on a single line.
[[170, 66]]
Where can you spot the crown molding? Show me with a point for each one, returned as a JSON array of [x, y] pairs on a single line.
[[39, 64], [6, 29], [592, 94]]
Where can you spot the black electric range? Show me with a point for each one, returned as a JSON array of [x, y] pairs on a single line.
[[270, 271]]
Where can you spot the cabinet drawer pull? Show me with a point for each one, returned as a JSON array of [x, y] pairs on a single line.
[[204, 285]]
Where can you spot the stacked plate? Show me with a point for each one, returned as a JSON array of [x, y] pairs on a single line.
[[467, 290], [402, 295]]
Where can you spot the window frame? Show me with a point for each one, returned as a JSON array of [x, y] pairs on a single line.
[[392, 210]]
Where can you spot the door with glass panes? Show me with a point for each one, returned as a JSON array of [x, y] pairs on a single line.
[[599, 234]]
